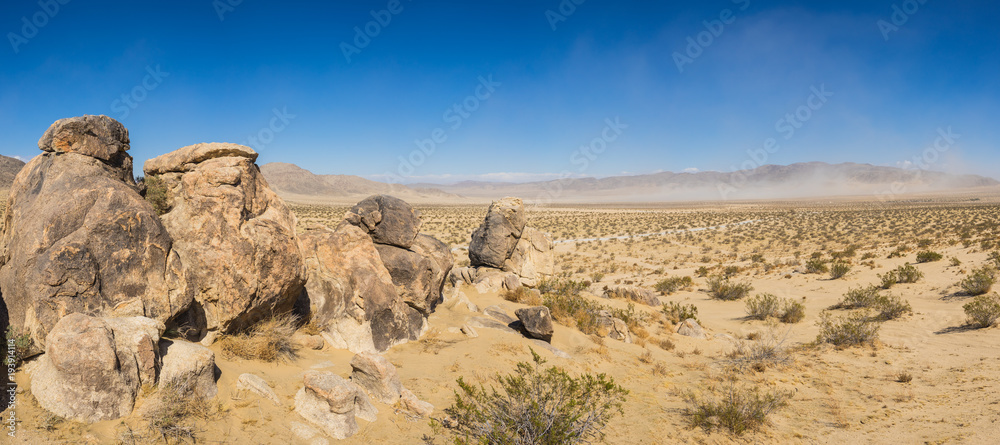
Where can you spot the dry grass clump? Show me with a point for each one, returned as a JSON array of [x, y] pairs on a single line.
[[979, 282], [855, 329], [523, 295], [734, 408], [173, 415], [889, 307], [762, 352], [268, 341], [764, 306], [983, 311], [722, 288]]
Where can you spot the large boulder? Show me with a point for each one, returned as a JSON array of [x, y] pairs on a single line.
[[389, 220], [189, 368], [93, 367], [78, 237], [351, 293], [537, 322], [494, 241], [532, 258], [418, 273], [375, 374], [235, 236]]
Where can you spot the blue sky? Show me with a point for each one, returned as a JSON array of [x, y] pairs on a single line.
[[550, 76]]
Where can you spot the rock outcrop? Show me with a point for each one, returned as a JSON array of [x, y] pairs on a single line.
[[373, 280], [352, 295], [691, 328], [79, 238], [234, 235], [376, 375], [189, 368], [331, 402], [537, 322], [632, 293], [93, 367], [505, 243]]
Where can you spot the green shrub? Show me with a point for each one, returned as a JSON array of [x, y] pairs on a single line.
[[561, 287], [763, 306], [839, 269], [816, 265], [722, 289], [677, 313], [673, 284], [156, 194], [906, 273], [574, 311], [793, 312], [983, 310], [854, 329], [736, 409], [888, 307], [533, 405], [24, 345], [928, 256], [979, 282]]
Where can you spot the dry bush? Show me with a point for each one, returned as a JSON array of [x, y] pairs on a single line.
[[734, 408], [676, 312], [979, 282], [906, 273], [854, 329], [523, 295], [928, 256], [268, 341], [793, 312], [765, 351], [664, 344], [763, 306], [174, 411], [839, 270], [983, 310], [673, 284], [889, 307], [722, 289]]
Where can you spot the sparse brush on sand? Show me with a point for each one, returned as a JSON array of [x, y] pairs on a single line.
[[268, 341]]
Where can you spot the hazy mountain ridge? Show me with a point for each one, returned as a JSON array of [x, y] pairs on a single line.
[[291, 179]]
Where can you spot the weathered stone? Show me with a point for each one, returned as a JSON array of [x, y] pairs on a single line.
[[234, 235], [78, 237], [489, 323], [314, 342], [511, 281], [494, 241], [690, 328], [351, 294], [189, 368], [376, 375], [632, 293], [93, 367], [465, 275], [389, 220], [537, 322], [532, 259], [613, 328], [328, 401], [413, 276], [489, 279], [499, 313], [411, 403], [252, 383], [469, 331]]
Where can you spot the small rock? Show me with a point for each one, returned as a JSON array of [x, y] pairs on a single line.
[[189, 366], [615, 328], [328, 401], [256, 385], [414, 405], [511, 282], [469, 331], [489, 323], [376, 375], [498, 313], [315, 342], [691, 328], [537, 322]]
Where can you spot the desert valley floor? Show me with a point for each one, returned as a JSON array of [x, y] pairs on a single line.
[[929, 378]]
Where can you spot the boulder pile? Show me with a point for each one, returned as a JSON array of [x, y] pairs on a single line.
[[505, 252]]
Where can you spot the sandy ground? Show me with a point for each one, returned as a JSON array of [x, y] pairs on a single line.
[[840, 396]]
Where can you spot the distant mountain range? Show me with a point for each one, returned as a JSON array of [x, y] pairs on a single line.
[[297, 183], [8, 170], [810, 179]]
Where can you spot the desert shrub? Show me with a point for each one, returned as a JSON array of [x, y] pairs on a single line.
[[762, 352], [955, 261], [561, 287], [676, 312], [24, 345], [995, 259], [156, 194], [816, 265], [573, 310], [906, 273], [763, 306], [793, 312], [928, 256], [535, 405], [522, 295], [888, 307], [734, 408], [722, 289], [596, 277], [888, 280], [267, 341], [979, 282], [853, 329], [839, 269], [173, 411], [673, 284], [983, 310]]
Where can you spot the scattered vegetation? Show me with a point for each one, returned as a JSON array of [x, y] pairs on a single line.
[[734, 408], [24, 346], [535, 405], [983, 310], [723, 289], [757, 354], [156, 194], [522, 295], [268, 341], [676, 312], [979, 282], [906, 273], [928, 256], [854, 329], [673, 284], [816, 265], [839, 269], [887, 307], [764, 306], [174, 413]]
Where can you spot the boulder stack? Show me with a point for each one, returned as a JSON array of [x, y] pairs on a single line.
[[234, 235], [78, 236], [504, 246]]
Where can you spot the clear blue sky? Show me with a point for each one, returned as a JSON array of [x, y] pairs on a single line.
[[222, 80]]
